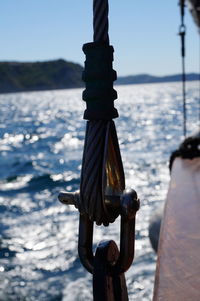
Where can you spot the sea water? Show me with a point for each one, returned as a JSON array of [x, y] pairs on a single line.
[[41, 142]]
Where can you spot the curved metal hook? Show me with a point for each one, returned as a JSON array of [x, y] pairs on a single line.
[[129, 207], [85, 240]]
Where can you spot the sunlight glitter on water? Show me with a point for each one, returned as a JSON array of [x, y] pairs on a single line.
[[41, 145]]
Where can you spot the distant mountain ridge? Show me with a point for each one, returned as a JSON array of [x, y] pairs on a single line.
[[57, 74], [147, 79], [61, 74]]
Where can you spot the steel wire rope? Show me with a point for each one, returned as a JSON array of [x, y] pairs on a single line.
[[91, 192]]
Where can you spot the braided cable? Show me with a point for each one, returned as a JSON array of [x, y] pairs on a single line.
[[100, 21], [91, 176]]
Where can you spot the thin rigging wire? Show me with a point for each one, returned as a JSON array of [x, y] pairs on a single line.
[[184, 97], [182, 31], [199, 84]]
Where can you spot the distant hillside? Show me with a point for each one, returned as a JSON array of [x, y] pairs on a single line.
[[146, 79], [60, 74], [57, 74]]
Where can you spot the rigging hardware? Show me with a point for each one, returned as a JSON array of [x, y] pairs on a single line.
[[102, 197]]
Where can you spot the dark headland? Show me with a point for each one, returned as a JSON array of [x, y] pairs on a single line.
[[37, 76], [61, 74]]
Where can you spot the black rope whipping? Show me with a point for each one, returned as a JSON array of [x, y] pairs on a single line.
[[182, 32], [99, 96]]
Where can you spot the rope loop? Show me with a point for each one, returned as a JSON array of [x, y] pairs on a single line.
[[102, 176]]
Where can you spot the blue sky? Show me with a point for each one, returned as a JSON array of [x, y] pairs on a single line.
[[143, 33]]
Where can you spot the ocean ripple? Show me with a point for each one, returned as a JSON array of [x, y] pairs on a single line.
[[41, 142]]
